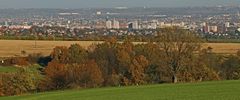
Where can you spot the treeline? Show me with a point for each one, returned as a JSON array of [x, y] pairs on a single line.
[[175, 56], [65, 34], [140, 38]]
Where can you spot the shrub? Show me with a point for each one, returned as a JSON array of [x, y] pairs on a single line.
[[230, 68], [18, 83], [21, 61], [55, 74]]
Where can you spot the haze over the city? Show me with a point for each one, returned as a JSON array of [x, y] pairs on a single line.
[[113, 3]]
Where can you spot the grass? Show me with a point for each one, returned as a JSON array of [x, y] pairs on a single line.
[[12, 48], [12, 69], [221, 90], [7, 69]]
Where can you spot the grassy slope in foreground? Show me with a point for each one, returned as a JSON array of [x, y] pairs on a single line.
[[222, 90]]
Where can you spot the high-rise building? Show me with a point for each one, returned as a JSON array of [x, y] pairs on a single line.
[[109, 24], [116, 24], [227, 24], [130, 26], [212, 29], [6, 23], [205, 27], [135, 25]]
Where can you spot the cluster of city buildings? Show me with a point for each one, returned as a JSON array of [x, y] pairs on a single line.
[[206, 27], [127, 22]]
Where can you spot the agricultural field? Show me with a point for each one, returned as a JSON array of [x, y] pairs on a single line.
[[221, 90], [12, 48]]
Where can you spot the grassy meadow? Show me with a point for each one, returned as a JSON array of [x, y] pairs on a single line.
[[219, 90], [7, 69], [12, 48]]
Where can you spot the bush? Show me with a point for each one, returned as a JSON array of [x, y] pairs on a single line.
[[113, 80], [61, 76], [55, 74], [21, 61], [18, 83], [230, 68]]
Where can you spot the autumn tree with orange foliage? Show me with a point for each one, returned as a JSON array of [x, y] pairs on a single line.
[[105, 56], [18, 83], [55, 74], [138, 69], [84, 75], [60, 54]]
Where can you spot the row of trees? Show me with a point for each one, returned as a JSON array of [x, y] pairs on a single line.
[[176, 56]]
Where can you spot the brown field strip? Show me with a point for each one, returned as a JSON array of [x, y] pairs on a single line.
[[11, 48]]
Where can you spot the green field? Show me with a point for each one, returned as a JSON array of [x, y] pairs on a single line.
[[222, 90], [8, 69]]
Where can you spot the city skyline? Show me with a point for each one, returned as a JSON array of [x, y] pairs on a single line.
[[113, 3]]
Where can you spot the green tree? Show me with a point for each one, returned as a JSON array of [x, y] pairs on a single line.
[[76, 54]]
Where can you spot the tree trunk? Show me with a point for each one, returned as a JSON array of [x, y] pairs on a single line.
[[174, 78]]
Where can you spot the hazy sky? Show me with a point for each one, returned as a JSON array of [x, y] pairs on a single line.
[[111, 3]]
